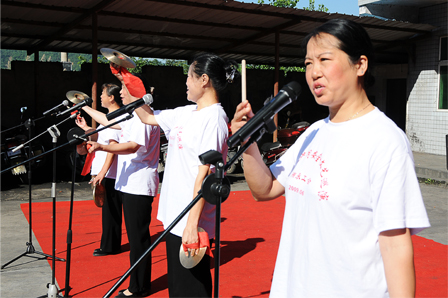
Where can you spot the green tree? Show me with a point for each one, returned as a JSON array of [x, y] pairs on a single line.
[[140, 63], [294, 3], [281, 3], [312, 7]]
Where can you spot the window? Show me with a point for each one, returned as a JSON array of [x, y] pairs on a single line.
[[443, 74]]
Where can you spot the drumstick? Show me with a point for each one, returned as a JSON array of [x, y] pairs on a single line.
[[243, 83], [243, 80]]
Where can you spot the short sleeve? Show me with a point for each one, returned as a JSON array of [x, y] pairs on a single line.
[[396, 197]]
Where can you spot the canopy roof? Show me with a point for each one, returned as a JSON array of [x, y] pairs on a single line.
[[176, 29]]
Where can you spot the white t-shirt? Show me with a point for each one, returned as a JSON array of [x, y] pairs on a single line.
[[104, 137], [137, 172], [344, 184], [190, 133]]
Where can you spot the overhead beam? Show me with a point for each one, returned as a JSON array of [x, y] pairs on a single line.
[[70, 26], [177, 21], [43, 6], [154, 33], [259, 35], [224, 7]]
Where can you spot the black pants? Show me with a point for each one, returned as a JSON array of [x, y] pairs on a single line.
[[182, 282], [111, 218], [137, 216]]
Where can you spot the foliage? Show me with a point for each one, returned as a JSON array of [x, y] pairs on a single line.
[[7, 56], [293, 4], [312, 7], [141, 62], [281, 3], [285, 69]]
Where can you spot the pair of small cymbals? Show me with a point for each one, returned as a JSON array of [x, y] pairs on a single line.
[[113, 56]]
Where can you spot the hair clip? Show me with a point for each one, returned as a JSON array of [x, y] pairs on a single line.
[[230, 76]]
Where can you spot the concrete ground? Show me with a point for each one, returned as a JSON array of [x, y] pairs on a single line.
[[29, 275]]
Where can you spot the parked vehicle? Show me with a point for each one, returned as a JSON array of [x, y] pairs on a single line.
[[272, 151]]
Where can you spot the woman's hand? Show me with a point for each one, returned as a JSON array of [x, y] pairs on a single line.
[[242, 114], [81, 122], [189, 236], [93, 146], [98, 178], [118, 69]]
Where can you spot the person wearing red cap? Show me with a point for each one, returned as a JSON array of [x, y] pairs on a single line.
[[137, 179]]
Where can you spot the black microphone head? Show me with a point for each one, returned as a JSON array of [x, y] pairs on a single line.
[[88, 101], [293, 89]]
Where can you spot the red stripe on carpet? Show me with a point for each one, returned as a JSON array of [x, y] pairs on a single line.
[[249, 243]]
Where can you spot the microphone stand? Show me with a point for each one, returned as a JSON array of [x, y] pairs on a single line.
[[52, 292], [52, 288], [29, 245], [77, 139], [215, 190]]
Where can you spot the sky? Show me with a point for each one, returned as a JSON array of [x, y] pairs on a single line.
[[334, 6]]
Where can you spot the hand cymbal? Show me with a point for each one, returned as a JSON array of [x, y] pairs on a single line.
[[76, 96], [117, 57]]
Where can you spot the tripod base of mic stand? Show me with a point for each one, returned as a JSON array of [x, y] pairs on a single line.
[[30, 250], [52, 291]]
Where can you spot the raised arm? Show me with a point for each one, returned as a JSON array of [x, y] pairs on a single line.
[[81, 122], [262, 184], [145, 113], [100, 117], [117, 148]]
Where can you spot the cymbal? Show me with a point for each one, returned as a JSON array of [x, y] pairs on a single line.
[[99, 194], [117, 57], [76, 96], [191, 261]]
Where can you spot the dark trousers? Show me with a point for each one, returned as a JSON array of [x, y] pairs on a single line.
[[137, 216], [182, 282], [111, 218]]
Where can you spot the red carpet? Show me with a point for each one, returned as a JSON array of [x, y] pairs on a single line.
[[249, 247]]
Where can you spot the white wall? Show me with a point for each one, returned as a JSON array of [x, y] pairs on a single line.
[[426, 126]]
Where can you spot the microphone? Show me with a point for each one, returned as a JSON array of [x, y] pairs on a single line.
[[64, 103], [87, 101], [284, 97], [129, 108]]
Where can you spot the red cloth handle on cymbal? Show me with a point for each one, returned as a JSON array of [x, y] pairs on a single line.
[[88, 162], [203, 242], [133, 83]]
